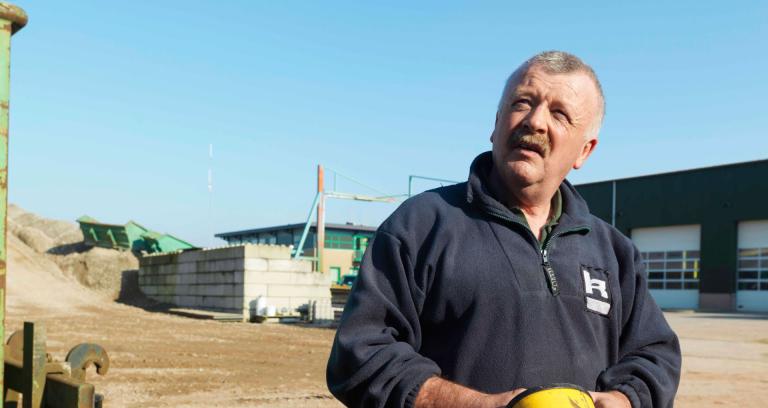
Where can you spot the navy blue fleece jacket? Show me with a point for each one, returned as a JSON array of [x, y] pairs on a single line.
[[454, 284]]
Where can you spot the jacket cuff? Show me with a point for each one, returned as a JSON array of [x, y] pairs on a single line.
[[410, 398], [631, 393]]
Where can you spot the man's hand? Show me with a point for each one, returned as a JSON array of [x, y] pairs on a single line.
[[437, 392], [610, 399]]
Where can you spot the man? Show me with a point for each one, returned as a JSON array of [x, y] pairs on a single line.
[[470, 293]]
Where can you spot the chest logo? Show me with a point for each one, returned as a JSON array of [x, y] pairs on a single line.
[[596, 290]]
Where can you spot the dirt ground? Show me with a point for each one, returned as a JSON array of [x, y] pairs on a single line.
[[159, 360]]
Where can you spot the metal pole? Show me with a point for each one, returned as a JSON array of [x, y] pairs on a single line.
[[412, 177], [613, 203], [12, 19], [319, 248], [410, 180], [300, 249]]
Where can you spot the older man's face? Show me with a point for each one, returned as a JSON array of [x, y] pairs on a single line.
[[545, 127]]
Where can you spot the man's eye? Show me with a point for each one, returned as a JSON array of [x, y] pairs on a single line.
[[560, 115], [521, 103]]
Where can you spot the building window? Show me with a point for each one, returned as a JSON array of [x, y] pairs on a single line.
[[753, 269], [284, 238], [361, 243], [339, 241], [673, 270], [335, 272]]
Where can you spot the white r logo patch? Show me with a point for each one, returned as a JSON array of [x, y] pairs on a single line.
[[596, 290], [594, 284]]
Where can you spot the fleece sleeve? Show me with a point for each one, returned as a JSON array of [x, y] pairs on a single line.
[[648, 370], [375, 361]]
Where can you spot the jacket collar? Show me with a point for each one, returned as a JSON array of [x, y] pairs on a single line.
[[575, 209]]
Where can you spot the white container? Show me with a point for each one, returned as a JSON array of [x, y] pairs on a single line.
[[271, 310], [261, 306]]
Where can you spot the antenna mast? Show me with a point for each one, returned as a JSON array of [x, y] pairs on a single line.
[[210, 194]]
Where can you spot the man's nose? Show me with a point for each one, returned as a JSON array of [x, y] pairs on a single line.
[[536, 120]]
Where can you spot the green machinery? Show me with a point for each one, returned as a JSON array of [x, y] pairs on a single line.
[[28, 370], [131, 236]]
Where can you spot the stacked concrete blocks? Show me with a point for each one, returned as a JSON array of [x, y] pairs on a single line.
[[232, 279], [206, 279]]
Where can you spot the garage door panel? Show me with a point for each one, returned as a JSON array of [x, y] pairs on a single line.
[[671, 257], [752, 276], [676, 299]]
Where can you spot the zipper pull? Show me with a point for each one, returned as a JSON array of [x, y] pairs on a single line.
[[550, 274]]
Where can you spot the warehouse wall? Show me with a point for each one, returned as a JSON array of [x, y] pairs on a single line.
[[341, 258], [717, 198], [231, 279]]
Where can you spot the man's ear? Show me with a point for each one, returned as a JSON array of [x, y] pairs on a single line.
[[586, 150], [495, 124]]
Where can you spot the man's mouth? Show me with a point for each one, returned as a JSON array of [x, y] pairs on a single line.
[[529, 146]]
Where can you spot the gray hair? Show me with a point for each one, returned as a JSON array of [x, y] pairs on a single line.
[[557, 62]]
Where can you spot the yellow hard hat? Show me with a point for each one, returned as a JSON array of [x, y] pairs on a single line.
[[553, 396]]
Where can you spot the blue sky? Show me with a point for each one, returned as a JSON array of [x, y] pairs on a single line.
[[114, 104]]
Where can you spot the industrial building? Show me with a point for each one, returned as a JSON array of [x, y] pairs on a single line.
[[703, 233], [344, 244]]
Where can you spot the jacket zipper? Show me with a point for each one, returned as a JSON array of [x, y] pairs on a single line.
[[549, 272]]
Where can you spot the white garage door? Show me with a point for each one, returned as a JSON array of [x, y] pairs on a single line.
[[752, 285], [671, 257]]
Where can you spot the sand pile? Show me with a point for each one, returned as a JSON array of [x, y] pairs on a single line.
[[36, 285], [56, 247]]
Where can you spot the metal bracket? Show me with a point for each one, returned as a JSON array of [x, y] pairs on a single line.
[[30, 371], [85, 354]]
